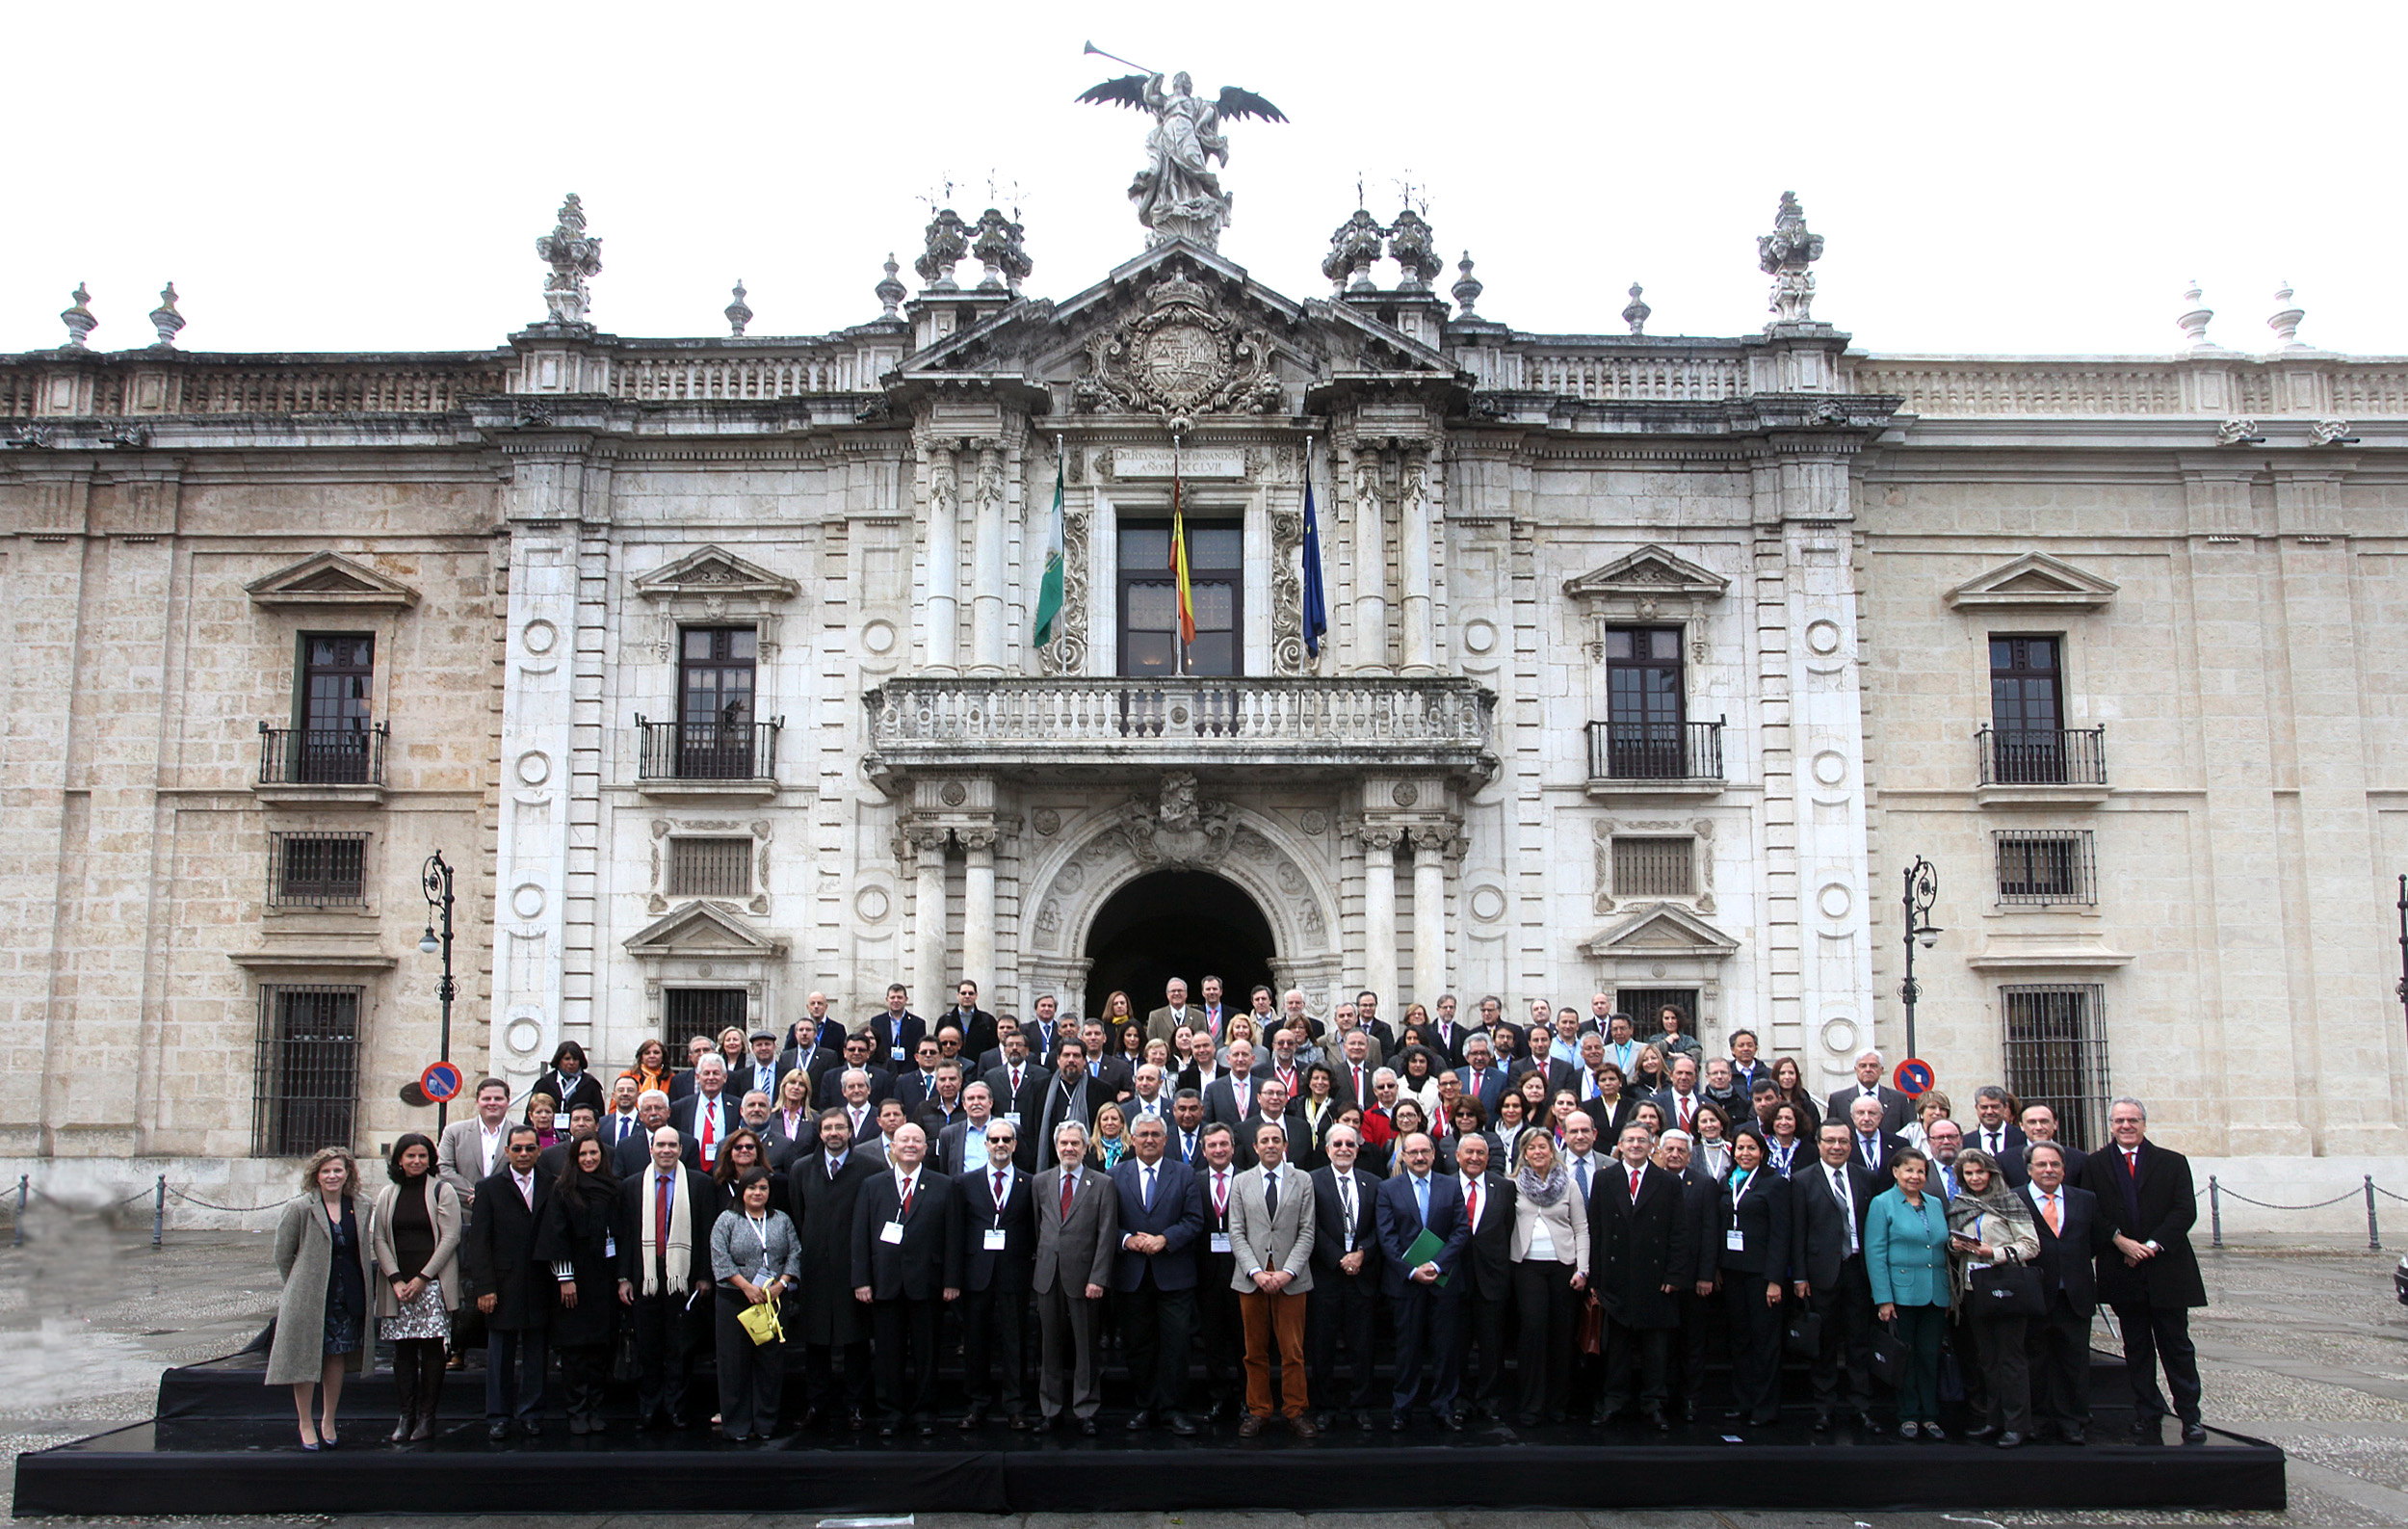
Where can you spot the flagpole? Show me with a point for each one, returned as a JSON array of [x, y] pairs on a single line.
[[1178, 534]]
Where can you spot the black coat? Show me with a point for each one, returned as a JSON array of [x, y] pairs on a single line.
[[829, 1092], [1329, 1230], [1016, 1266], [1487, 1272], [1818, 1236], [586, 1090], [1635, 1248], [927, 1261], [2065, 1262], [893, 1043], [497, 1254], [978, 1035], [821, 1207], [2156, 1206], [630, 1156], [702, 1202], [582, 1235], [1762, 1216], [1050, 1114], [2016, 1168], [1896, 1109]]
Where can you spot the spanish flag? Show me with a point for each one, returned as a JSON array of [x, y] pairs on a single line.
[[1179, 565]]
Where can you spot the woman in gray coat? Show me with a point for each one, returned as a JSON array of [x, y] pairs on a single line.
[[322, 1317], [755, 1258]]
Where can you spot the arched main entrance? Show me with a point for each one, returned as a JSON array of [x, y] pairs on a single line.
[[1176, 924]]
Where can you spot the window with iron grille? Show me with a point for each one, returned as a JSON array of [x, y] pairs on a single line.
[[705, 1011], [2056, 1055], [1654, 867], [317, 870], [305, 1074], [2040, 867], [710, 867]]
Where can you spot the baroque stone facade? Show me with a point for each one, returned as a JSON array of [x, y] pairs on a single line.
[[1650, 663]]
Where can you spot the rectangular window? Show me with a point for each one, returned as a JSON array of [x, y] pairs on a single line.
[[710, 867], [338, 685], [1645, 705], [1654, 867], [317, 870], [1149, 599], [703, 1011], [305, 1073], [714, 704], [2038, 867], [1646, 1005], [2056, 1055], [2026, 689]]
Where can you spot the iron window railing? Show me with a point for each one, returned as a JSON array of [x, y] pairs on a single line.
[[317, 870], [2046, 867], [2041, 757], [2057, 1054], [1655, 750], [305, 1073], [310, 756], [707, 750]]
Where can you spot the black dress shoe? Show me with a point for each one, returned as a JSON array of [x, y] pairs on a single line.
[[1396, 1422], [889, 1429], [2194, 1432], [927, 1428], [1017, 1423], [1363, 1419], [972, 1420], [1452, 1422], [1822, 1422], [532, 1425], [1985, 1430], [1178, 1424], [858, 1422], [677, 1421], [1735, 1414], [1087, 1428], [1143, 1420], [2010, 1439], [1663, 1424], [2074, 1436], [1771, 1420], [498, 1430], [1868, 1422]]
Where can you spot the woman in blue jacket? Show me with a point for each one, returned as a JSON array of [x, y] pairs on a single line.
[[1906, 1255]]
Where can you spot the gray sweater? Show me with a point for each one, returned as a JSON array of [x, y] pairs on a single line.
[[736, 1250]]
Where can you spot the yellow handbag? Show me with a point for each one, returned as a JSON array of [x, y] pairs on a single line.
[[761, 1324]]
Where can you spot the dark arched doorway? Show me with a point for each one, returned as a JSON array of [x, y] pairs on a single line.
[[1170, 924]]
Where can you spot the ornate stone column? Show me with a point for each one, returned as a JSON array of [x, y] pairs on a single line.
[[1415, 577], [942, 595], [928, 935], [1430, 845], [1379, 911], [1370, 569], [978, 906], [987, 565]]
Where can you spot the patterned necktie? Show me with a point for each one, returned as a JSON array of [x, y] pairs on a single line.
[[999, 1189], [1069, 1183]]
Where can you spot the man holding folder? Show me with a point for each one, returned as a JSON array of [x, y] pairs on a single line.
[[1424, 1234]]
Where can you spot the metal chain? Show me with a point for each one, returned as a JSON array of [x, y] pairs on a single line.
[[2353, 1194], [193, 1199]]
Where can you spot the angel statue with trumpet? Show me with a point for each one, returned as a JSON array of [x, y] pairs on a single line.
[[1177, 195]]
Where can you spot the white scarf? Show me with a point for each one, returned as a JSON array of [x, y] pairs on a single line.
[[680, 1256]]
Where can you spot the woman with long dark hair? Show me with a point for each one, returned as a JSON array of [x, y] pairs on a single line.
[[576, 1236], [414, 1226]]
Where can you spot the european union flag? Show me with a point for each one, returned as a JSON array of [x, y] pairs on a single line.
[[1316, 612]]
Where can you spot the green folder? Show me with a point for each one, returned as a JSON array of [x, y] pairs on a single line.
[[1426, 1249]]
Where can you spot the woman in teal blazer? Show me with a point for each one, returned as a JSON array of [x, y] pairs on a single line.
[[1906, 1255]]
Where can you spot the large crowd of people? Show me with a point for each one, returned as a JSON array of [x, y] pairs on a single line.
[[1272, 1218]]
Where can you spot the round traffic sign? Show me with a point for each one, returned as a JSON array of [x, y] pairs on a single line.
[[1914, 1077], [440, 1082]]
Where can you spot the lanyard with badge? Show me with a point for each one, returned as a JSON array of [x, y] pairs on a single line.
[[1220, 1208], [1743, 1179], [894, 1229], [993, 1238]]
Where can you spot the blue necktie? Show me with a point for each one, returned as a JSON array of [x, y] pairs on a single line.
[[1421, 1198]]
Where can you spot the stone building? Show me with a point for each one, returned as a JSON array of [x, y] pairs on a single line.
[[1650, 665]]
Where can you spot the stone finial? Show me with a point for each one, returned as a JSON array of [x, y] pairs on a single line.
[[79, 320], [890, 289], [1467, 287], [574, 258], [164, 319], [2284, 321], [2194, 320], [1636, 315], [738, 314], [999, 248], [1784, 253], [1414, 250], [948, 241], [1353, 249]]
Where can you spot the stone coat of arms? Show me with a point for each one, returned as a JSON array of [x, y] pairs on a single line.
[[1178, 357]]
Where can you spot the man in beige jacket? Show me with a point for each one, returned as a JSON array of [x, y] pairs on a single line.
[[1271, 1238]]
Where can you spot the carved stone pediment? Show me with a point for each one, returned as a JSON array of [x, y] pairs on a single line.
[[702, 928], [330, 579], [2036, 580], [1179, 355], [714, 572], [1651, 573], [1662, 930]]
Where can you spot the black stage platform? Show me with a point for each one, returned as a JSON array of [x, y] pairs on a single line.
[[224, 1443]]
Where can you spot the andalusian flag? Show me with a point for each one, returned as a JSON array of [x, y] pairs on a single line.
[[1179, 565], [1049, 589]]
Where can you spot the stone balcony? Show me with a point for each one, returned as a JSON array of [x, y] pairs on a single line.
[[1264, 727]]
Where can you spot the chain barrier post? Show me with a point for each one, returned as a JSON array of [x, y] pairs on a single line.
[[16, 1238], [2215, 1213], [159, 1213], [2374, 1241]]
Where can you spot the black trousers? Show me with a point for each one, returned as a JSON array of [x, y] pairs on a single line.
[[1543, 1301], [752, 1376], [2057, 1351], [829, 1394], [1219, 1331], [1480, 1318], [1425, 1347], [1646, 1351], [2154, 1335], [664, 1354], [2005, 1379], [1847, 1313], [584, 1367], [994, 1333], [1343, 1307], [1158, 1327], [904, 1334], [506, 1391], [1965, 1344], [1756, 1337], [1693, 1341]]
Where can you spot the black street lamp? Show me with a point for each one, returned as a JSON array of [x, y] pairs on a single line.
[[437, 881], [1923, 890], [2403, 987]]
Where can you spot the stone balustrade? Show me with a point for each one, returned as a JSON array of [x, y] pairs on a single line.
[[2217, 384], [148, 383], [728, 375]]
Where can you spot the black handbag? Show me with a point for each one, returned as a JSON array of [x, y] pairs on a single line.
[[1892, 1356], [1805, 1334], [2006, 1290]]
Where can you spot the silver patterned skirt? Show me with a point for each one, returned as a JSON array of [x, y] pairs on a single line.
[[422, 1318]]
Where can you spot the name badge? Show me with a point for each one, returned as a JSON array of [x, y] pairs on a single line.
[[1220, 1242], [891, 1233], [898, 1053], [610, 1246], [1011, 1118], [1735, 1241], [994, 1242]]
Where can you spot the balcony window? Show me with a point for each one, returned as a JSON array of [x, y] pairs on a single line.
[[1149, 599], [333, 742], [715, 685]]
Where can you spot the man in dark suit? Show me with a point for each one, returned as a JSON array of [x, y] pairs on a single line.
[[1870, 1144], [1018, 1089], [629, 1156], [1416, 1200], [1229, 1099], [1479, 1075], [830, 1092], [659, 1273], [1829, 1199], [826, 1188], [894, 1032], [1746, 1071], [1078, 1235], [1187, 1126], [514, 1291], [1559, 1069], [2150, 1276], [1070, 1094], [1219, 1328], [999, 1259], [2039, 1124], [906, 1266], [1355, 1065], [962, 1142], [1346, 1276], [810, 1039], [1116, 1076], [1486, 1274], [976, 1024], [1045, 1033], [2057, 1347], [1162, 1218], [1272, 1103], [758, 1071], [1896, 1109], [1634, 1221], [619, 1120], [1694, 1260], [708, 1115], [916, 1084], [1678, 1100], [1991, 1130], [580, 1124]]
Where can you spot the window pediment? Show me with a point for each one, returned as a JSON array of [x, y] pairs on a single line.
[[330, 579], [716, 574], [1662, 930], [1652, 572], [702, 929], [2035, 581]]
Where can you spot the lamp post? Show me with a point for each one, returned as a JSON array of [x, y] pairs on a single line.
[[2403, 987], [437, 882], [1923, 890]]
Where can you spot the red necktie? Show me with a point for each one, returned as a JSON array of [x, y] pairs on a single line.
[[2131, 1164], [999, 1189], [1067, 1185], [1359, 1095], [710, 1120], [1634, 1186], [1688, 1113], [911, 1187], [1471, 1205]]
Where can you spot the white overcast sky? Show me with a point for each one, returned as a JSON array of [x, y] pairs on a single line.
[[1991, 177]]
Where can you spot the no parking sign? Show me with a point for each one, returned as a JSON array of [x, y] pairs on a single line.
[[440, 1082], [1914, 1077]]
